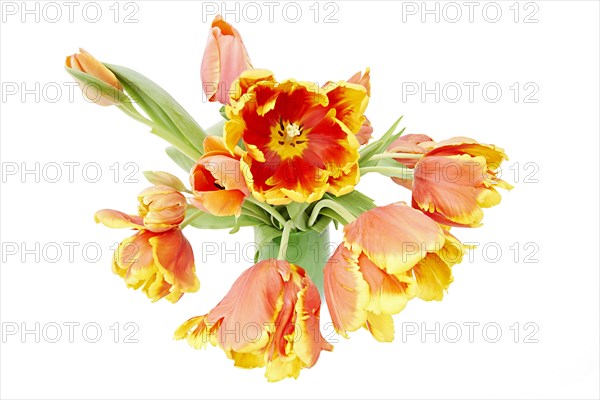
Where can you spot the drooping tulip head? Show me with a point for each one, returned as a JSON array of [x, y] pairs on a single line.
[[157, 258], [390, 255], [269, 318], [162, 264]]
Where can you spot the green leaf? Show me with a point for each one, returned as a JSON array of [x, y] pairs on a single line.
[[264, 234], [150, 92], [333, 215], [355, 202], [92, 86], [297, 215], [263, 237], [321, 224], [379, 145], [180, 159]]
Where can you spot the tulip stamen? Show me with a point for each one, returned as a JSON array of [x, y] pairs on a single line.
[[292, 130]]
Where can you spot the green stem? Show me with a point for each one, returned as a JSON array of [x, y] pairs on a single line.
[[190, 218], [269, 209], [161, 132], [341, 210], [285, 238], [389, 171], [382, 156]]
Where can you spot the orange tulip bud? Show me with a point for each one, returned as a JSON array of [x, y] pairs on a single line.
[[225, 58], [85, 62], [162, 208]]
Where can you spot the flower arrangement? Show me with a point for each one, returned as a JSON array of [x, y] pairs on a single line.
[[285, 160]]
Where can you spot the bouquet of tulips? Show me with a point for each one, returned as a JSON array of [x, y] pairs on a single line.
[[285, 160]]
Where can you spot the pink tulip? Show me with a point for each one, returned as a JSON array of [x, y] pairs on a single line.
[[225, 58]]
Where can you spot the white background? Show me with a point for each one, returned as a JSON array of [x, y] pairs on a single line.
[[557, 215]]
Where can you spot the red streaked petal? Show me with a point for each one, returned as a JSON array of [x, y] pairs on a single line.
[[307, 309], [254, 300], [450, 186], [346, 292], [174, 257], [350, 101]]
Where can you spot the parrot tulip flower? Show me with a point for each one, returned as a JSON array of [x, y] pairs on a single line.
[[300, 140], [368, 279], [269, 318], [456, 179], [217, 182], [85, 62], [158, 258], [225, 58]]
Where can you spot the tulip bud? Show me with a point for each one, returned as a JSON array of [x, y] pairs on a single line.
[[86, 63], [225, 58], [162, 208]]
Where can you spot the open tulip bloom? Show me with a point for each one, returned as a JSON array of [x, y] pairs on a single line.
[[285, 160]]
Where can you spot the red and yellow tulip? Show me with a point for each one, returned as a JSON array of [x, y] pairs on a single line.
[[370, 277], [217, 181], [269, 318], [300, 139], [158, 258]]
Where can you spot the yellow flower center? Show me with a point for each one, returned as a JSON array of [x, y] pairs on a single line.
[[288, 139]]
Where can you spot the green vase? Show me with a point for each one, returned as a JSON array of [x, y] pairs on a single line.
[[309, 250]]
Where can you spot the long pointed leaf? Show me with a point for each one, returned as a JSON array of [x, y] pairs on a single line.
[[180, 159], [184, 122]]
